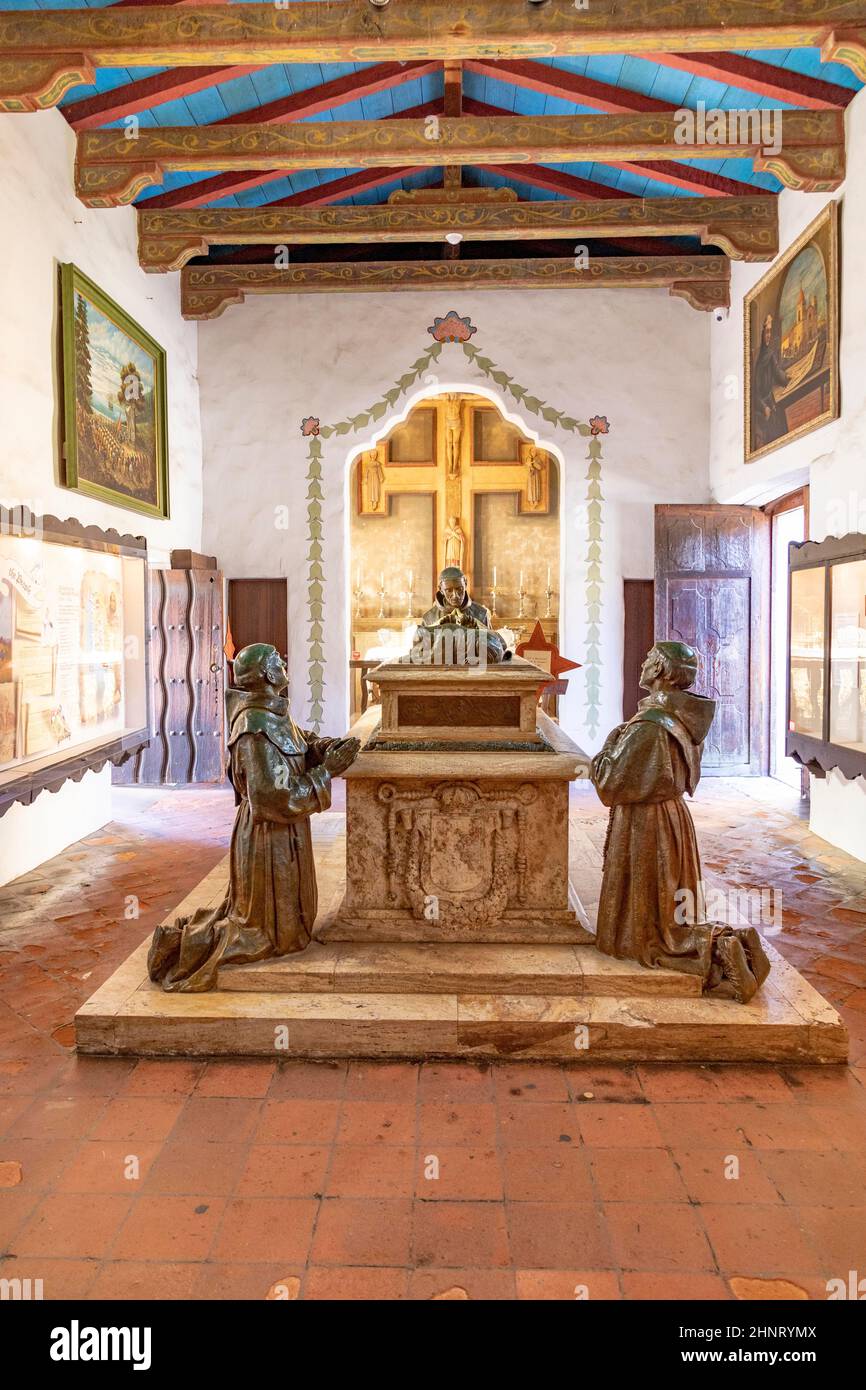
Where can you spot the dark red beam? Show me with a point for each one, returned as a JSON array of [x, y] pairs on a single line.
[[314, 100], [147, 92], [763, 79], [569, 86], [195, 195], [343, 187]]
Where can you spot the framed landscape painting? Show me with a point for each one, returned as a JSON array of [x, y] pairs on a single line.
[[791, 368], [115, 433]]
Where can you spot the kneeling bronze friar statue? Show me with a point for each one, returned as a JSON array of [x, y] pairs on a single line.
[[456, 628], [281, 776], [652, 896]]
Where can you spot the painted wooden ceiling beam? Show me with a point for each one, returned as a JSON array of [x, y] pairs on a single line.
[[203, 191], [676, 175], [43, 53], [704, 281], [746, 229], [150, 92], [111, 169]]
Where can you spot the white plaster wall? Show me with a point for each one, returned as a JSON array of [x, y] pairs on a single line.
[[831, 460], [42, 224], [640, 358]]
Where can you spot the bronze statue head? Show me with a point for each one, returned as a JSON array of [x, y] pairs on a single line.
[[259, 667], [669, 666], [451, 590]]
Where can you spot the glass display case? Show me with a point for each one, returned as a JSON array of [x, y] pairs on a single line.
[[827, 655], [73, 651]]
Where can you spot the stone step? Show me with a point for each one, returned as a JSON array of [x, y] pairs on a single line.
[[787, 1021], [455, 968]]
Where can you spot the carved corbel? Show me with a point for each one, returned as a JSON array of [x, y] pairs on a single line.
[[35, 84]]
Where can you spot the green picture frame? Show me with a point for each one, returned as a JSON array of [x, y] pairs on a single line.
[[115, 423]]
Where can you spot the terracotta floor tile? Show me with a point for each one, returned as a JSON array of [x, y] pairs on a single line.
[[464, 1285], [163, 1079], [712, 1176], [137, 1119], [153, 1280], [217, 1119], [692, 1125], [61, 1279], [458, 1174], [589, 1083], [618, 1126], [351, 1282], [550, 1173], [196, 1168], [376, 1122], [396, 1082], [458, 1122], [169, 1228], [636, 1175], [662, 1285], [663, 1082], [805, 1178], [459, 1234], [283, 1170], [838, 1237], [764, 1241], [222, 1280], [548, 1122], [236, 1078], [263, 1229], [555, 1235], [52, 1117], [829, 1085], [572, 1284], [370, 1232], [308, 1081], [657, 1236], [41, 1163], [72, 1224], [106, 1165], [297, 1122], [530, 1082], [455, 1081], [372, 1170], [17, 1205], [762, 1084]]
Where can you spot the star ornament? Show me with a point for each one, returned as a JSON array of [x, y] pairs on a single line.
[[544, 654]]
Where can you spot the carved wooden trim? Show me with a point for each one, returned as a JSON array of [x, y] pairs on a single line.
[[704, 281], [168, 36], [744, 228], [110, 169]]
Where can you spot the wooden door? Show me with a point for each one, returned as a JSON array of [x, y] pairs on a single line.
[[712, 591], [639, 631], [259, 612], [187, 684]]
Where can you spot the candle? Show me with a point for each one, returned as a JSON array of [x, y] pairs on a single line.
[[382, 580], [521, 579], [494, 576], [411, 577], [548, 576], [358, 578]]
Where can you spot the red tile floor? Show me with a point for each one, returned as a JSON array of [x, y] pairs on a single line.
[[249, 1179]]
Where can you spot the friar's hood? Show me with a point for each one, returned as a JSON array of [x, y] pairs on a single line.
[[687, 718], [251, 712]]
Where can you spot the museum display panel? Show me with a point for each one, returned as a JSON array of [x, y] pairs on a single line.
[[827, 655], [73, 651]]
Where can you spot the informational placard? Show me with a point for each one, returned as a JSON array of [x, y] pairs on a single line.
[[72, 658]]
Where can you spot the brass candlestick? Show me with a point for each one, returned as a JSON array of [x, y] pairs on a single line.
[[549, 592], [382, 601], [493, 602], [357, 595], [521, 595]]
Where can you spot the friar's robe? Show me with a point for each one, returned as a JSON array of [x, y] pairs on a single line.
[[270, 906], [652, 905]]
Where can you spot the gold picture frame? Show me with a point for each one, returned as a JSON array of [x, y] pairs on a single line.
[[791, 342]]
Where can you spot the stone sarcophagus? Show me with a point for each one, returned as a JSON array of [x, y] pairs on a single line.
[[457, 812]]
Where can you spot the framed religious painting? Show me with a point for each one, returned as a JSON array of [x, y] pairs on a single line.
[[115, 443], [791, 327]]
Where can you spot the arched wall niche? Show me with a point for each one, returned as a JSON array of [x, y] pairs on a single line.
[[454, 477]]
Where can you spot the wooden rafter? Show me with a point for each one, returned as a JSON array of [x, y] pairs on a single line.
[[744, 228], [111, 169], [44, 53], [149, 92], [764, 79], [704, 281]]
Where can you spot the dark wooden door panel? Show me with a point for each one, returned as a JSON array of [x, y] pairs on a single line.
[[638, 638], [711, 590], [259, 612], [186, 633]]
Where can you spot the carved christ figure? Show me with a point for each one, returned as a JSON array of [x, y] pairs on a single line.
[[455, 543], [453, 432], [534, 468], [375, 475]]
